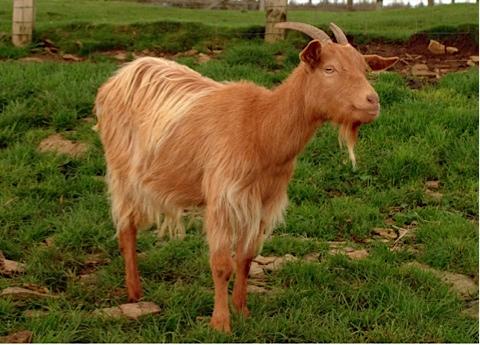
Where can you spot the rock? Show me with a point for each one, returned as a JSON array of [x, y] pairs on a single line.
[[18, 337], [358, 254], [71, 57], [421, 70], [474, 58], [120, 56], [191, 52], [96, 260], [432, 184], [436, 47], [114, 312], [265, 260], [10, 267], [20, 294], [472, 310], [386, 233], [336, 244], [136, 310], [30, 59], [434, 195], [57, 143], [451, 50], [470, 63], [130, 310], [256, 270], [313, 257], [202, 58]]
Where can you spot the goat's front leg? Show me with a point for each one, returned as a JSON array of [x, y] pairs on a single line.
[[127, 240], [245, 253], [219, 241]]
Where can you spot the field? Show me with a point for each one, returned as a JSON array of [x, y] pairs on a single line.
[[380, 250]]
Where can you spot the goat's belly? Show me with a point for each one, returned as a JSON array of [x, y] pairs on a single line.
[[175, 188]]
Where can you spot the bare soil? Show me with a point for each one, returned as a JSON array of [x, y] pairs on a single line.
[[415, 51]]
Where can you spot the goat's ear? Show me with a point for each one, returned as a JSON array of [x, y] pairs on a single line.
[[378, 63], [311, 54]]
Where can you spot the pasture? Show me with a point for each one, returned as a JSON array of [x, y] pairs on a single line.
[[374, 250]]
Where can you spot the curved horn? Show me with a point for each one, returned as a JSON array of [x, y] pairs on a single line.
[[307, 29], [339, 35]]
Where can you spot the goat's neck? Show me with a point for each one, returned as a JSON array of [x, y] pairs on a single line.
[[288, 123]]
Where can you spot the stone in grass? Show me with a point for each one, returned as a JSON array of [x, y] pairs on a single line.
[[386, 233], [432, 184], [358, 254], [436, 196], [472, 310], [130, 310], [17, 337], [10, 267], [21, 294]]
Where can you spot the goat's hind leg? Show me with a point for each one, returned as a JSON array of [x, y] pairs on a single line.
[[127, 240]]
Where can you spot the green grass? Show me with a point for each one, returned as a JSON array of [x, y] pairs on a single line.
[[421, 135], [88, 26], [399, 23]]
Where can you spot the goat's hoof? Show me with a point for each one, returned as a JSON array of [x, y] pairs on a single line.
[[221, 324], [134, 296]]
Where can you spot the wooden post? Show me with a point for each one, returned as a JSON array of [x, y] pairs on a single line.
[[23, 22], [431, 2], [379, 4], [261, 5], [350, 5], [276, 12]]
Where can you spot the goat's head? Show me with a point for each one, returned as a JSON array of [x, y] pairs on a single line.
[[337, 88]]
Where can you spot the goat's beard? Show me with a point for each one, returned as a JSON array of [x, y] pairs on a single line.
[[348, 134]]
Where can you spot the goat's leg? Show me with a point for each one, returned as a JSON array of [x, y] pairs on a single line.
[[222, 268], [221, 263], [127, 240], [244, 256]]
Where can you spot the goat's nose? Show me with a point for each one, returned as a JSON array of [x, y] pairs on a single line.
[[372, 98]]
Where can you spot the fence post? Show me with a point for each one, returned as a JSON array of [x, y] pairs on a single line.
[[23, 22], [275, 12]]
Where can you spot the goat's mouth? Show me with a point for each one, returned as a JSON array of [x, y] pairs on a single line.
[[367, 114]]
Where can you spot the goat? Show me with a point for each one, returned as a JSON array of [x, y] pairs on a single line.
[[175, 140]]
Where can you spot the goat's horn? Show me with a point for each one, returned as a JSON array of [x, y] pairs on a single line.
[[339, 35], [307, 29]]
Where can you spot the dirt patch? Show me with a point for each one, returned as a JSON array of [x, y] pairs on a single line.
[[17, 337], [462, 284], [57, 143], [415, 53]]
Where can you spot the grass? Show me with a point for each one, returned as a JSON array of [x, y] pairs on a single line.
[[87, 26], [54, 213]]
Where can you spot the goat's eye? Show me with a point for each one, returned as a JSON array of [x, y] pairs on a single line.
[[329, 69]]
